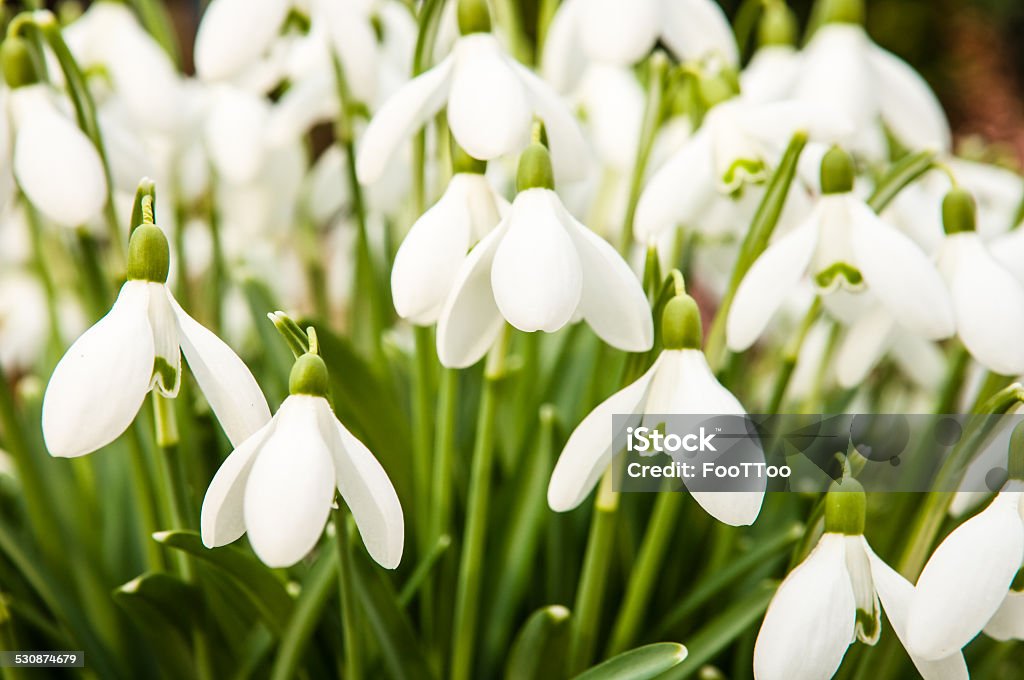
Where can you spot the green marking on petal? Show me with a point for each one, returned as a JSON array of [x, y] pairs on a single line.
[[867, 626], [833, 276], [165, 376], [744, 170]]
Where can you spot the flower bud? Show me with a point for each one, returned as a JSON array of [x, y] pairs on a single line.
[[308, 376], [845, 506], [474, 17], [535, 169], [841, 11], [680, 323], [16, 62], [959, 211], [836, 172], [778, 25], [149, 256]]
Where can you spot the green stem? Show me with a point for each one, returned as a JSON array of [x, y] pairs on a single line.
[[423, 420], [156, 20], [349, 619], [471, 566], [590, 590], [509, 15], [653, 114], [954, 380], [144, 494], [40, 258], [643, 577], [900, 175], [791, 355]]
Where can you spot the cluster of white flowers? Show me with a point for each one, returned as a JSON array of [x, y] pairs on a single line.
[[507, 242]]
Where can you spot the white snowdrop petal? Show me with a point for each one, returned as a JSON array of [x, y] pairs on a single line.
[[226, 382], [488, 111], [470, 321], [367, 491], [588, 452], [697, 29], [399, 117], [290, 489], [353, 40], [570, 154], [770, 279], [536, 276], [222, 519], [100, 383], [868, 626], [810, 621], [562, 62], [616, 32], [896, 593], [679, 190], [863, 346], [966, 579], [235, 33], [613, 100], [686, 384], [428, 260], [899, 274], [907, 104], [771, 74], [989, 306], [1008, 621], [58, 168], [167, 362], [613, 301], [235, 134]]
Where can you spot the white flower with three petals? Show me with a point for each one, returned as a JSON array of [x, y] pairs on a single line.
[[834, 598], [428, 261], [539, 269], [278, 485], [101, 382], [842, 244], [491, 101], [679, 382]]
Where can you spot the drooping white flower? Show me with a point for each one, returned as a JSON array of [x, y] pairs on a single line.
[[613, 32], [842, 244], [491, 101], [539, 269], [833, 598], [738, 144], [55, 164], [429, 258], [965, 585], [679, 382], [842, 67], [101, 382], [988, 301], [235, 33], [278, 485]]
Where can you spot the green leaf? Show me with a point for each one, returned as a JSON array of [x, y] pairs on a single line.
[[401, 652], [902, 173], [540, 648], [722, 630], [257, 581], [159, 605], [641, 663], [316, 590]]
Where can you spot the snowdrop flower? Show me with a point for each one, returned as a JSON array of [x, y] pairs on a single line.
[[965, 586], [429, 258], [56, 165], [772, 72], [680, 381], [736, 145], [539, 269], [988, 302], [491, 100], [278, 485], [621, 34], [842, 244], [103, 379], [833, 598], [841, 66]]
